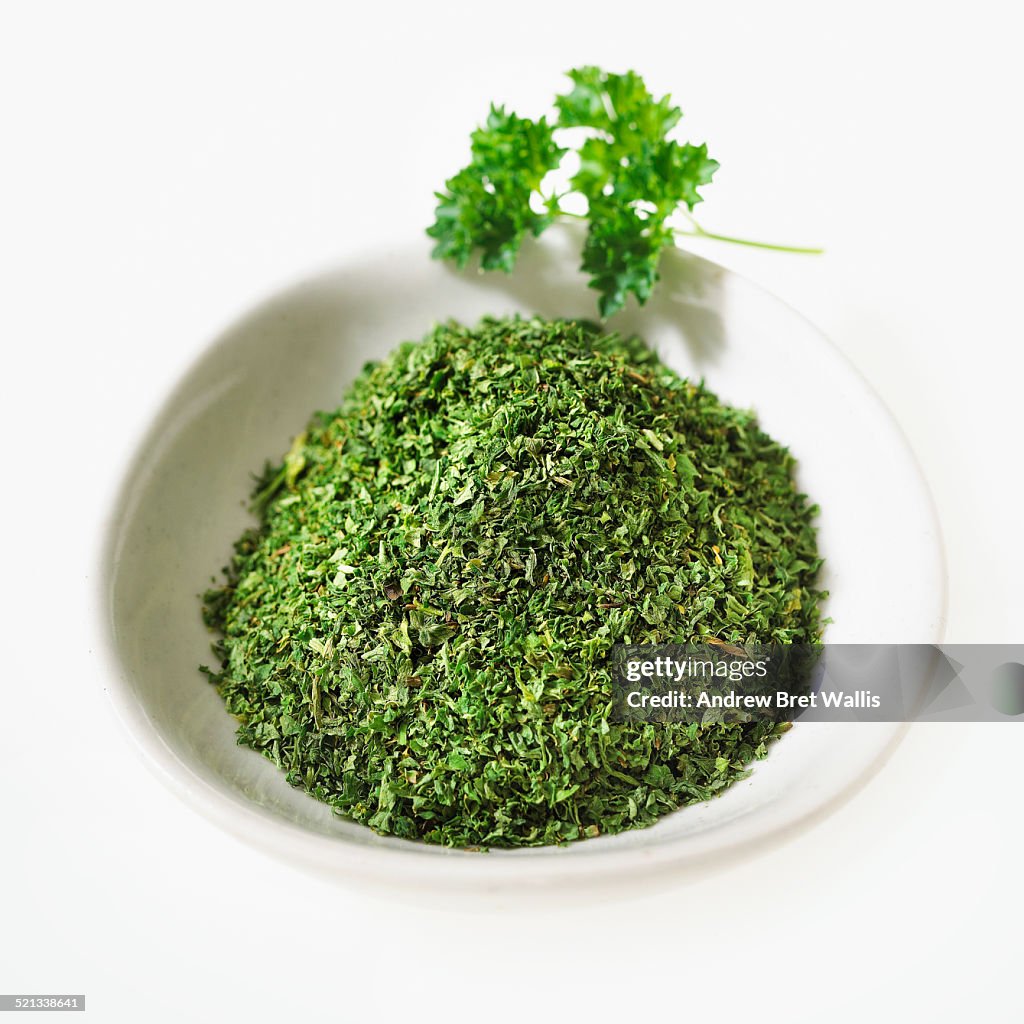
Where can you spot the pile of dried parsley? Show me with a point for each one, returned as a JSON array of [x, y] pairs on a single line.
[[417, 631]]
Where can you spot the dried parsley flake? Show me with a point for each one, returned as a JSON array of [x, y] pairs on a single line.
[[417, 631]]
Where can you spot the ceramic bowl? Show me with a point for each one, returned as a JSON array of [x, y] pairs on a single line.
[[183, 502]]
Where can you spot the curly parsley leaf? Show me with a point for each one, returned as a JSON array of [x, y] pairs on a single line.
[[633, 177], [486, 206], [631, 197], [617, 104], [620, 253]]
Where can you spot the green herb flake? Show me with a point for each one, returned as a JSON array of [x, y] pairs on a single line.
[[417, 630]]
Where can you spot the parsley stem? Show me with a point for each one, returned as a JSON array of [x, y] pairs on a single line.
[[699, 232]]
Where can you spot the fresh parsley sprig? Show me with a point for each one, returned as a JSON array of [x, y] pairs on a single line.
[[633, 177]]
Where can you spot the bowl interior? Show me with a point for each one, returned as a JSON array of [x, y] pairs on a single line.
[[184, 501]]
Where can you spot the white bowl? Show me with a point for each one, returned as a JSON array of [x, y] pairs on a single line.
[[183, 503]]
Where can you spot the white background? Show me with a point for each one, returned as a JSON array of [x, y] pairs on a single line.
[[165, 165]]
